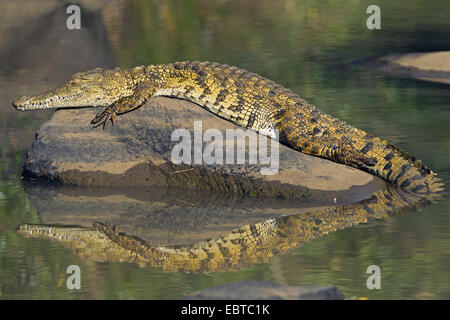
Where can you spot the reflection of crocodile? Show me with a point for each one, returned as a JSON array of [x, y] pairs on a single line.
[[248, 100], [172, 216], [238, 249]]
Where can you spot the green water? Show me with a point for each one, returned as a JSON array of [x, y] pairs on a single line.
[[306, 46]]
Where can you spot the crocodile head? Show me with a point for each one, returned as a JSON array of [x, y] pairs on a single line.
[[92, 88]]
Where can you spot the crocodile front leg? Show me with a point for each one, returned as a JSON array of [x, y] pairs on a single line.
[[142, 94]]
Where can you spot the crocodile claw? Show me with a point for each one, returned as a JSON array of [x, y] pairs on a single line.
[[103, 118]]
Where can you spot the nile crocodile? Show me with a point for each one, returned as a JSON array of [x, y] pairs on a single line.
[[248, 100]]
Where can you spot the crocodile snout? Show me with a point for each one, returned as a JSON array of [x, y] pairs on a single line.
[[21, 103]]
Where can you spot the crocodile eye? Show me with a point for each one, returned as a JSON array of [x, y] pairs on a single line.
[[77, 75], [76, 80], [92, 77]]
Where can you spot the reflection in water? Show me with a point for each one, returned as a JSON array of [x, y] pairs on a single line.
[[248, 244], [164, 216]]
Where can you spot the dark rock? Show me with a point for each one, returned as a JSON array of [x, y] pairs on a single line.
[[264, 290]]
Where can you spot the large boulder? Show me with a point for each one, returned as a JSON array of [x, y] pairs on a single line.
[[137, 151]]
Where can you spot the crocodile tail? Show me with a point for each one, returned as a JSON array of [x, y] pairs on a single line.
[[396, 166], [313, 132]]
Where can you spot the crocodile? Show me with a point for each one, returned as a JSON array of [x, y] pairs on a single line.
[[246, 99], [242, 247]]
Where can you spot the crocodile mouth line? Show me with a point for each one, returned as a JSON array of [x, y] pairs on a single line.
[[43, 104]]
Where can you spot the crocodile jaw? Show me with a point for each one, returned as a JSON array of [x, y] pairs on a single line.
[[92, 88], [49, 100]]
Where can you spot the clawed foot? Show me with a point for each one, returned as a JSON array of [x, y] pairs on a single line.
[[103, 118]]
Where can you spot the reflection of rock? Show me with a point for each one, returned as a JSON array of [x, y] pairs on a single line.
[[165, 216], [264, 290], [137, 152], [237, 249], [431, 66]]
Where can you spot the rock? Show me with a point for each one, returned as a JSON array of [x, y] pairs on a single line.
[[264, 290], [137, 152], [430, 66]]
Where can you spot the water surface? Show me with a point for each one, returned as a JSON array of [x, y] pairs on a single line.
[[304, 45]]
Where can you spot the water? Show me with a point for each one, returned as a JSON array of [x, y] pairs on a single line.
[[306, 46]]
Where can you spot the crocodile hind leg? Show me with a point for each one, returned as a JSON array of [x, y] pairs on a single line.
[[142, 93]]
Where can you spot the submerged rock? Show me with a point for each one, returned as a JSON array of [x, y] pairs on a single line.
[[137, 151], [264, 290], [429, 66]]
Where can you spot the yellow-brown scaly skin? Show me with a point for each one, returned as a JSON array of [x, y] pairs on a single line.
[[248, 100]]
